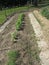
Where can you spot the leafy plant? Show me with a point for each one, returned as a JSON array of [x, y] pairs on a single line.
[[19, 21], [13, 35]]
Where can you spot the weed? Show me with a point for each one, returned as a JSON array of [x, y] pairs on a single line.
[[45, 12], [12, 57]]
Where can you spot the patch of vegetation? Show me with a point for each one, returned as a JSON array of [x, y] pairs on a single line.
[[18, 27], [13, 35], [12, 57], [45, 12], [20, 9], [19, 21], [7, 12]]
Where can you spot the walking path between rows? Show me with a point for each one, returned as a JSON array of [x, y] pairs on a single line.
[[42, 43], [6, 23]]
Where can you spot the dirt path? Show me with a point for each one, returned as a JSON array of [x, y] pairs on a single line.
[[44, 22], [42, 43]]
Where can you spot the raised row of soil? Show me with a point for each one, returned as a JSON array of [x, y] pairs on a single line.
[[26, 44]]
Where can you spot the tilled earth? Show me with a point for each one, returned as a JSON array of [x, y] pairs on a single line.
[[26, 44]]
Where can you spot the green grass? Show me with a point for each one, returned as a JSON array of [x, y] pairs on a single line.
[[9, 12], [45, 12], [12, 57]]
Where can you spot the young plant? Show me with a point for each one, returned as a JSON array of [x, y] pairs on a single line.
[[19, 21], [12, 57], [13, 36]]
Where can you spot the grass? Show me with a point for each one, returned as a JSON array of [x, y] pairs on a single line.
[[45, 12], [5, 13], [12, 57]]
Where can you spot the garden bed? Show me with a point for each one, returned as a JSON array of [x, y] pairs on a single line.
[[25, 44]]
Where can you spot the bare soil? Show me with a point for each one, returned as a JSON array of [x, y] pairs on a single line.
[[42, 43], [26, 44], [45, 24]]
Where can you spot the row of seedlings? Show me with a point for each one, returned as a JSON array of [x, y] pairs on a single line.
[[19, 26], [19, 22], [14, 55]]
